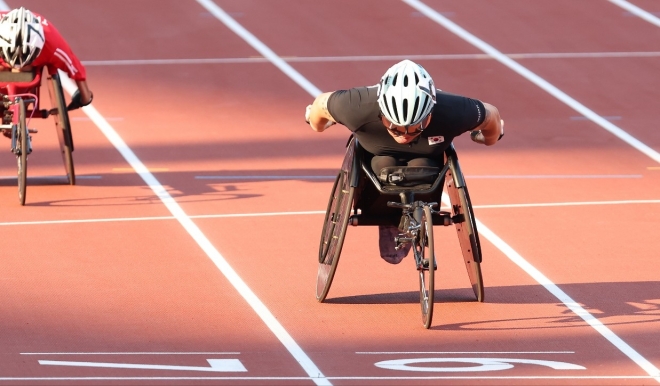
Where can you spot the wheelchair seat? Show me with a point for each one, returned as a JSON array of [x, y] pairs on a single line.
[[394, 180], [373, 192], [409, 176]]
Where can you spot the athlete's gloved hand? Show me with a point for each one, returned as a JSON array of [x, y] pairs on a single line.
[[308, 110], [76, 103], [478, 137]]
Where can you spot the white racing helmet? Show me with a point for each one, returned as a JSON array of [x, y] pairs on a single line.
[[21, 37], [406, 94]]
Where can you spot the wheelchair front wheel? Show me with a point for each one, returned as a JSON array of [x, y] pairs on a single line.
[[22, 152], [334, 231], [424, 248]]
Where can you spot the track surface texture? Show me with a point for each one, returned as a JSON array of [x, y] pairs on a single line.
[[186, 253]]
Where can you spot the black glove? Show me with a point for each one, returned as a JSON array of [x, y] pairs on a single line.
[[478, 137], [76, 103]]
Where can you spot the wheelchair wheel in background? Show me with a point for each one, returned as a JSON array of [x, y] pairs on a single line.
[[424, 246], [334, 231], [22, 151], [466, 227], [62, 126]]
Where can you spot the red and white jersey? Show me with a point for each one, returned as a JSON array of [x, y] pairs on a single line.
[[55, 54]]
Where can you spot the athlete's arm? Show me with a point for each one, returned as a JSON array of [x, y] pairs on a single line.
[[85, 92], [317, 114], [82, 97], [491, 129]]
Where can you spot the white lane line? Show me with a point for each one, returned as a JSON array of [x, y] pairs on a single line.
[[315, 212], [635, 10], [349, 378], [532, 77], [464, 352], [119, 219], [130, 353], [376, 58], [502, 176], [554, 204], [263, 177], [553, 176], [161, 192], [494, 176], [571, 304], [251, 298], [259, 46], [493, 238], [609, 118], [564, 298]]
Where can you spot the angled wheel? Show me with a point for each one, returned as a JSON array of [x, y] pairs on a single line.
[[466, 227], [334, 226], [62, 126], [22, 150], [424, 248]]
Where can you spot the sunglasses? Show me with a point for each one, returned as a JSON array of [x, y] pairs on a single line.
[[394, 130]]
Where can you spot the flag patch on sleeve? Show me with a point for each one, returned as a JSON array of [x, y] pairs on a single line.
[[436, 140]]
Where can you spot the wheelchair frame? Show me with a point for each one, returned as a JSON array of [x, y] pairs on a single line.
[[358, 198], [20, 103]]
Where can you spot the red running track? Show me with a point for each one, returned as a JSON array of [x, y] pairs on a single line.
[[210, 280]]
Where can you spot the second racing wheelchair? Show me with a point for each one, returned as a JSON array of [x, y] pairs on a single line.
[[20, 103]]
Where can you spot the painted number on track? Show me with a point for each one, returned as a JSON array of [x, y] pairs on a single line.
[[482, 364], [215, 365]]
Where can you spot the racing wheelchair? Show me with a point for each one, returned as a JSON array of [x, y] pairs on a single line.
[[360, 198], [21, 103]]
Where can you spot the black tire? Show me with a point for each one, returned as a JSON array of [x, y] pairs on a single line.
[[62, 125], [466, 229], [335, 223], [22, 152], [334, 231], [424, 245]]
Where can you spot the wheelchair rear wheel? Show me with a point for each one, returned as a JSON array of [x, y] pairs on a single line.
[[468, 236], [62, 126], [424, 247], [334, 231], [22, 151]]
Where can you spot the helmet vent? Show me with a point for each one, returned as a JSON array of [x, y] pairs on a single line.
[[396, 113], [414, 112], [405, 81], [394, 79], [387, 106], [426, 103], [416, 79], [405, 110]]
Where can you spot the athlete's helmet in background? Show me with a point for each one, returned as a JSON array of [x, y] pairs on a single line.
[[21, 37], [406, 94]]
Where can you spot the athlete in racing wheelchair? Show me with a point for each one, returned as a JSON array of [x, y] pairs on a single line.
[[403, 130], [29, 44]]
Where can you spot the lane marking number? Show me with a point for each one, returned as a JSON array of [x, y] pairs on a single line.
[[216, 365], [483, 364]]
